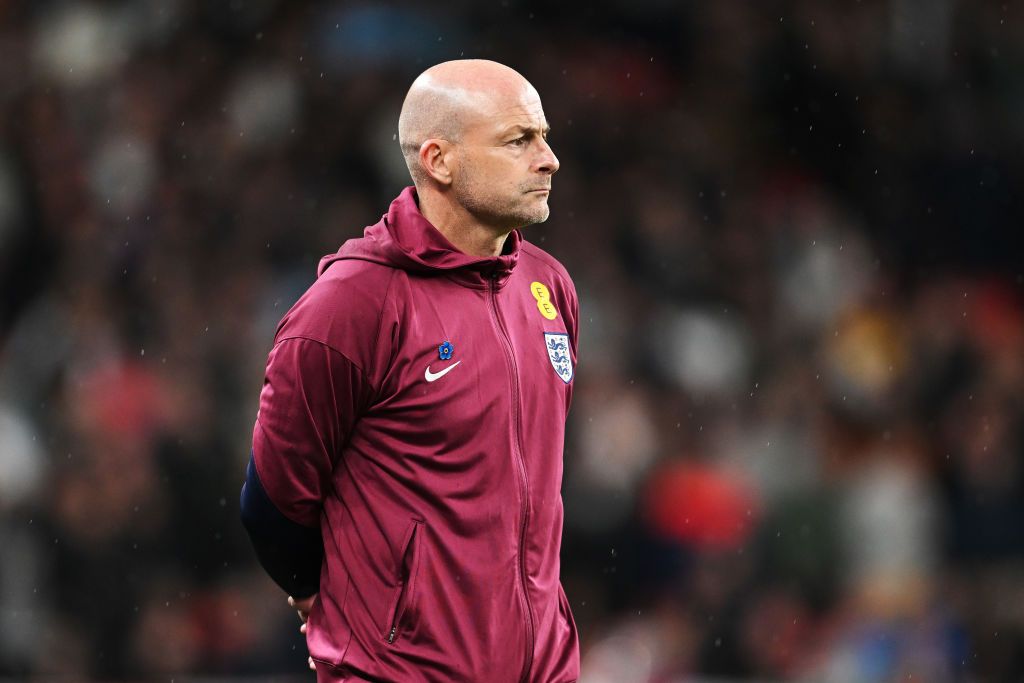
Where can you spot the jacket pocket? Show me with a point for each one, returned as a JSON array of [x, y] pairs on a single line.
[[406, 579]]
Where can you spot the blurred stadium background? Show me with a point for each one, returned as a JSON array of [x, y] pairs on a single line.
[[796, 450]]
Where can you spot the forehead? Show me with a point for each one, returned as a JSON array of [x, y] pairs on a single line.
[[507, 110]]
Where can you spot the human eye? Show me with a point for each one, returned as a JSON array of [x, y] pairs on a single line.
[[518, 142]]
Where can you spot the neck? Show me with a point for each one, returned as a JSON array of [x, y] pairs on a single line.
[[459, 227]]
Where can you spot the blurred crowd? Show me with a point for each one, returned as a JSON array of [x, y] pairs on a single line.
[[796, 450]]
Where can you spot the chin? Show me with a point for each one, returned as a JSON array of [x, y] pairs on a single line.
[[534, 217], [535, 221], [538, 213]]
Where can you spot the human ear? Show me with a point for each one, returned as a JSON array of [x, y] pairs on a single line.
[[434, 159]]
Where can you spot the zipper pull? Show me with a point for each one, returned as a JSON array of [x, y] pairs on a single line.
[[391, 636]]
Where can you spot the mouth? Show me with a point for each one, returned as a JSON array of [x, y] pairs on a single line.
[[542, 189]]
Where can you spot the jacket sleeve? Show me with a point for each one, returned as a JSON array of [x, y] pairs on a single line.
[[573, 328], [290, 553], [312, 398]]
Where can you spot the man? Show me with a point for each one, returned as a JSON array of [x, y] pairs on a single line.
[[407, 454]]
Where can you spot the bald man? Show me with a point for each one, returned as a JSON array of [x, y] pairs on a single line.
[[406, 465]]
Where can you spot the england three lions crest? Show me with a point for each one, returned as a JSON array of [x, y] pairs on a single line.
[[557, 344]]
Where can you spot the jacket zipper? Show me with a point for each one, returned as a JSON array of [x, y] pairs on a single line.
[[523, 478]]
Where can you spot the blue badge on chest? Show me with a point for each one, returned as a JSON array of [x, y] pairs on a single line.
[[557, 345], [445, 350]]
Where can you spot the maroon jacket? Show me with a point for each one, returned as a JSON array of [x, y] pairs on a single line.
[[414, 408]]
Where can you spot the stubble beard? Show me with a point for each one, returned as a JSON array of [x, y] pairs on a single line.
[[511, 210]]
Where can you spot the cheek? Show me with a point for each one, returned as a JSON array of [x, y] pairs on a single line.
[[491, 167], [490, 174], [498, 166]]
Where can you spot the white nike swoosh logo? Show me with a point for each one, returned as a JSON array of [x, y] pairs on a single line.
[[434, 376]]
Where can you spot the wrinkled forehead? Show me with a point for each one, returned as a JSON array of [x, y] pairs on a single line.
[[502, 108]]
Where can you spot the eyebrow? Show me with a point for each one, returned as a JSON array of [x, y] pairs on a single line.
[[526, 129]]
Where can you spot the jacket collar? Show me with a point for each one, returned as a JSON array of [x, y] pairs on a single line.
[[426, 249]]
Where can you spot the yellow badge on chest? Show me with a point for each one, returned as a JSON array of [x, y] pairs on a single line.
[[543, 297]]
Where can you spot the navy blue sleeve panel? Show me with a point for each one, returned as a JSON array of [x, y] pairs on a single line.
[[289, 552]]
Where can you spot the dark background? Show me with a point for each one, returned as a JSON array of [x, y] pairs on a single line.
[[795, 451]]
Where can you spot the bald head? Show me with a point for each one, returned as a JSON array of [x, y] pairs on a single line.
[[448, 99]]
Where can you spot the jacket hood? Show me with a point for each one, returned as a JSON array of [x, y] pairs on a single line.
[[404, 239]]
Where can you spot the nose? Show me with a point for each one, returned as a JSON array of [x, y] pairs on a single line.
[[547, 162]]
